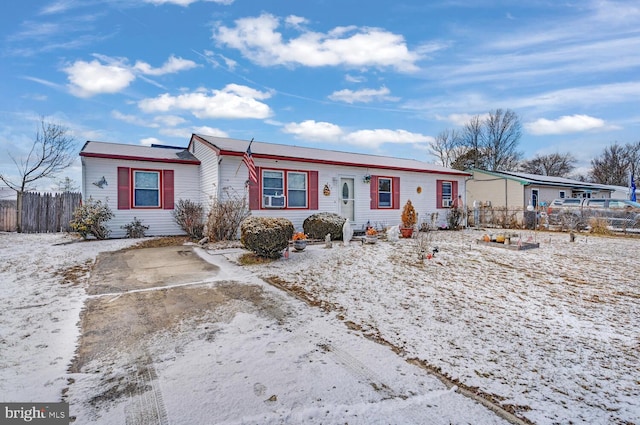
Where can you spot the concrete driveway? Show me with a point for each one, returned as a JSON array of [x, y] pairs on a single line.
[[178, 335]]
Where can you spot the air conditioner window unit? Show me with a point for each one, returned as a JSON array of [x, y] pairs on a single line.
[[273, 201], [446, 203]]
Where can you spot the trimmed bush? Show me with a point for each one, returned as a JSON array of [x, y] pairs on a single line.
[[318, 225], [266, 236]]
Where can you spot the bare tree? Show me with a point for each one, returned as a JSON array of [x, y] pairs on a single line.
[[633, 152], [501, 135], [615, 163], [473, 139], [555, 164], [446, 147], [67, 184], [488, 143], [52, 151]]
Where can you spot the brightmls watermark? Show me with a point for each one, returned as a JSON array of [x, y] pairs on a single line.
[[34, 413]]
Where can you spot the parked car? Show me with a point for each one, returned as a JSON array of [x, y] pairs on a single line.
[[576, 212]]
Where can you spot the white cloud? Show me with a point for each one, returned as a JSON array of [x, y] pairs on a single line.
[[362, 96], [161, 121], [295, 21], [172, 65], [258, 39], [327, 132], [148, 141], [132, 119], [59, 6], [461, 120], [234, 101], [112, 75], [185, 133], [44, 82], [584, 95], [377, 137], [355, 79], [314, 131], [565, 124], [210, 131], [169, 120], [90, 78]]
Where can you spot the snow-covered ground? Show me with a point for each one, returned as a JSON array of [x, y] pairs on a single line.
[[551, 333], [39, 312], [273, 362]]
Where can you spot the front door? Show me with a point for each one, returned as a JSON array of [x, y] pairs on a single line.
[[347, 198]]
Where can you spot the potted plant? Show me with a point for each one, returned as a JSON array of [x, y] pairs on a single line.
[[409, 219], [299, 241], [371, 235]]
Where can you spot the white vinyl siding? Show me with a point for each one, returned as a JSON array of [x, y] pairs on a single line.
[[160, 221], [330, 175]]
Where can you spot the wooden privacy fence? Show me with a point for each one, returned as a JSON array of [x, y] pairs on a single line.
[[7, 216], [48, 213]]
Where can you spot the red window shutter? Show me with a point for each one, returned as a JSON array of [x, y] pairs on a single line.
[[438, 193], [124, 192], [373, 192], [254, 192], [313, 190], [168, 190], [395, 188], [454, 190]]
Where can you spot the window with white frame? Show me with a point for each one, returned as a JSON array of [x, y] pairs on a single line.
[[562, 194], [447, 194], [281, 188], [296, 189], [273, 189], [384, 192], [146, 189]]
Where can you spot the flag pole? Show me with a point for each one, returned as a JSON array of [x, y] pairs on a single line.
[[248, 147]]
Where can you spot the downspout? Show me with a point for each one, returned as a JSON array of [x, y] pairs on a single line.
[[466, 206]]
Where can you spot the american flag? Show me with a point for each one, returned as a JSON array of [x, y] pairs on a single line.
[[251, 166]]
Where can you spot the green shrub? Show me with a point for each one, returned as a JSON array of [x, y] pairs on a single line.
[[135, 229], [266, 236], [89, 218], [189, 216], [318, 225]]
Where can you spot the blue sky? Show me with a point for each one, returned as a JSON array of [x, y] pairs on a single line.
[[378, 77]]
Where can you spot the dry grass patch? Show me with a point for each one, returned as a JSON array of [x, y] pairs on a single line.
[[250, 258], [162, 242]]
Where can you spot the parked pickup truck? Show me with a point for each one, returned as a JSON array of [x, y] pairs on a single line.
[[575, 212]]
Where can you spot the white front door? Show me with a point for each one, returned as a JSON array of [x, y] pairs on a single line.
[[347, 198]]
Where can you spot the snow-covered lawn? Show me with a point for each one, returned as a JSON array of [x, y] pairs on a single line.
[[550, 333], [266, 358], [553, 332], [39, 314]]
